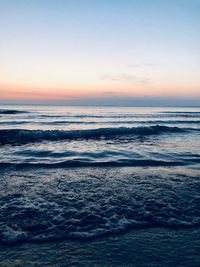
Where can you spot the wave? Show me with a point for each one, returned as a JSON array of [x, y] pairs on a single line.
[[82, 163], [66, 122], [46, 122], [124, 116], [181, 112], [187, 114], [22, 136], [169, 121], [81, 116], [88, 205], [12, 111], [14, 122]]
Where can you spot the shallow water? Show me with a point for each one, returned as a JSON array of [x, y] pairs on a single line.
[[147, 247], [84, 173], [40, 205]]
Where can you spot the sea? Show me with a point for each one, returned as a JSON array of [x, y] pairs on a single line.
[[86, 173]]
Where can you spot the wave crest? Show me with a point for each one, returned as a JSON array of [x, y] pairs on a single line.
[[11, 111], [21, 136]]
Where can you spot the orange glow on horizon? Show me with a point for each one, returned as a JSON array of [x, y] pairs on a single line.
[[41, 93], [9, 91]]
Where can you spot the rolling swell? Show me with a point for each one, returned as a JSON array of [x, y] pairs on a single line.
[[12, 111], [115, 163], [21, 136]]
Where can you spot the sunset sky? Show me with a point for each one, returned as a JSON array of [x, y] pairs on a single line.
[[100, 51]]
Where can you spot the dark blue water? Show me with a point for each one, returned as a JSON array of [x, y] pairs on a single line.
[[81, 173]]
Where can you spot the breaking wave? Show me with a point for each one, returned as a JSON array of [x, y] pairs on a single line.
[[22, 136]]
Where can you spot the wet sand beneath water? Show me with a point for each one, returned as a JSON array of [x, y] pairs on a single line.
[[145, 247]]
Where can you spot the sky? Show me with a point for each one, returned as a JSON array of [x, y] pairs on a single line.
[[104, 52]]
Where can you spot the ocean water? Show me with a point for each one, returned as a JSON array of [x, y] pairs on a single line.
[[87, 172]]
